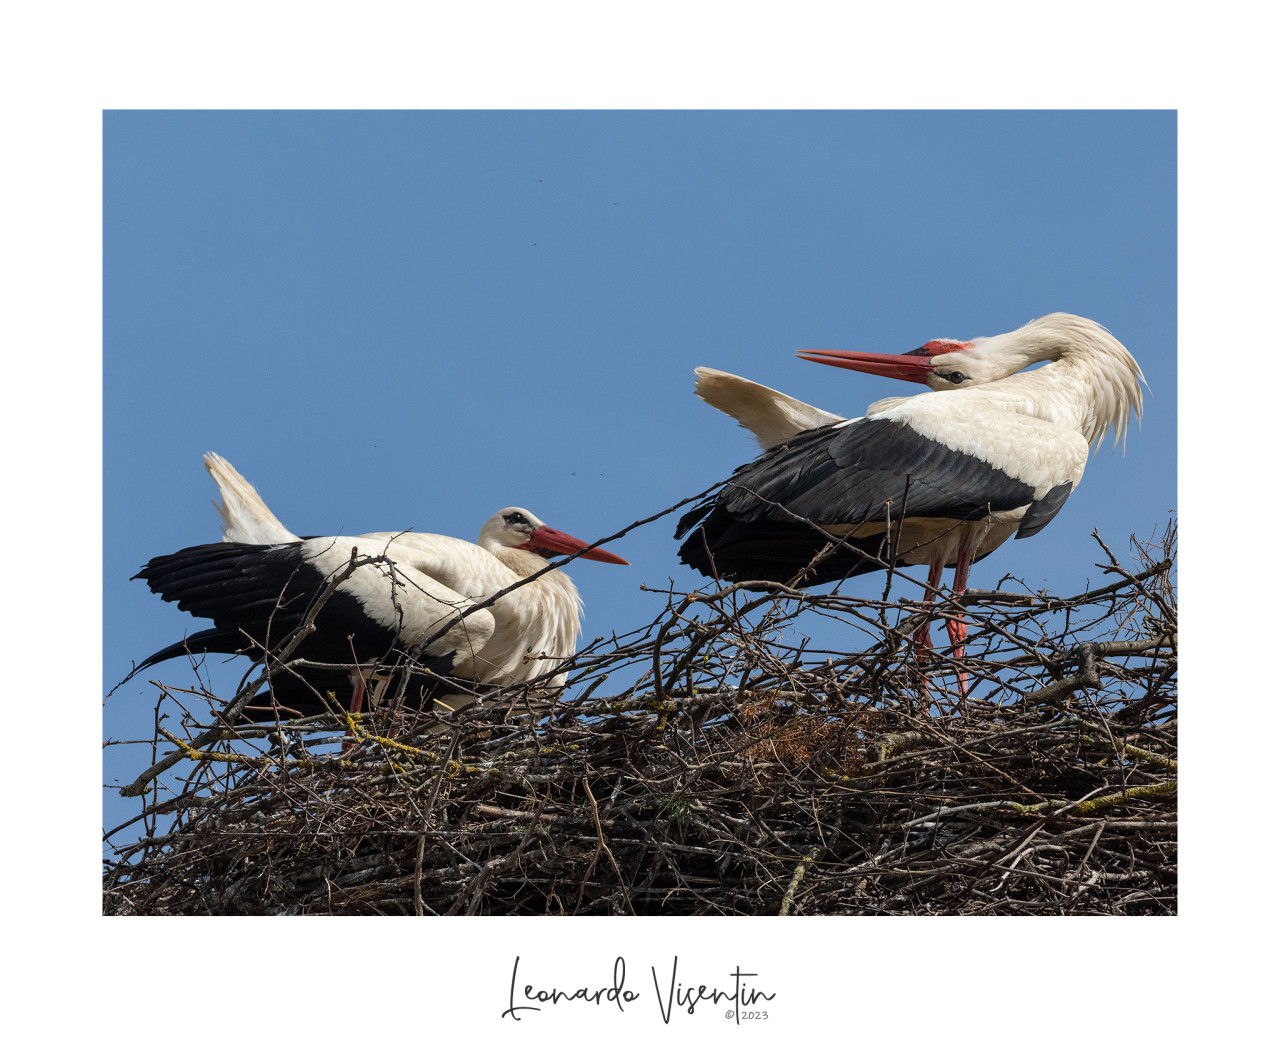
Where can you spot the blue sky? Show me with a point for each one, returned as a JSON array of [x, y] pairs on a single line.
[[408, 319]]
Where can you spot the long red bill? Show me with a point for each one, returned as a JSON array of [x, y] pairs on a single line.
[[910, 366], [549, 542]]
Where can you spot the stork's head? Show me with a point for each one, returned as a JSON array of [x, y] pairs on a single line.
[[519, 529], [1113, 378], [943, 365]]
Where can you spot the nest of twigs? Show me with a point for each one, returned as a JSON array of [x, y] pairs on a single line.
[[737, 770]]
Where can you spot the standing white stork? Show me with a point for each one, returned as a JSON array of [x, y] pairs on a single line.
[[406, 588], [941, 478]]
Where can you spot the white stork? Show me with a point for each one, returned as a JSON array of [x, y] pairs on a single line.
[[533, 623], [940, 478], [262, 579]]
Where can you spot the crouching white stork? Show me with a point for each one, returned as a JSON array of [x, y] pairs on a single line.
[[939, 479], [405, 593], [534, 623]]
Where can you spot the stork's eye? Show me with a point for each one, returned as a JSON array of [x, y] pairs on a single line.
[[516, 518], [955, 378]]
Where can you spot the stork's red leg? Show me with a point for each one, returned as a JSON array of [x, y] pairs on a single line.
[[393, 728], [923, 642], [957, 629], [357, 702]]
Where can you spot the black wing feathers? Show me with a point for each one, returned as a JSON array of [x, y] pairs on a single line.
[[265, 591], [258, 595], [867, 471], [1040, 512]]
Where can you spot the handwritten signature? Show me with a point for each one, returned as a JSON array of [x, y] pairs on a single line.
[[677, 995]]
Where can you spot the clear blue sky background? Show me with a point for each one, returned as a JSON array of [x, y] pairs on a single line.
[[392, 320]]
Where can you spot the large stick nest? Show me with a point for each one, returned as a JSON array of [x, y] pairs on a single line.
[[738, 769]]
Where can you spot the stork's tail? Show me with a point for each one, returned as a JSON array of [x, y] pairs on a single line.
[[769, 415], [245, 517]]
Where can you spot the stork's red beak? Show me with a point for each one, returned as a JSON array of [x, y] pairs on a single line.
[[549, 543], [911, 366]]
